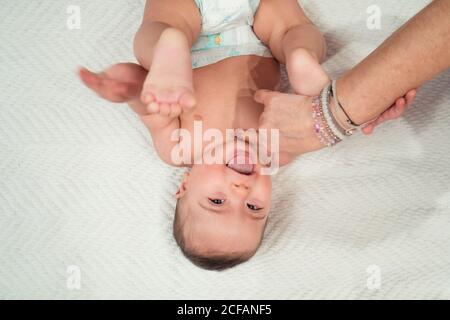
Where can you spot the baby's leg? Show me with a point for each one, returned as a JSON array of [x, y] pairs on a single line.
[[163, 46], [295, 41]]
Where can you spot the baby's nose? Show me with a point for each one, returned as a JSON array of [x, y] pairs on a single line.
[[240, 186]]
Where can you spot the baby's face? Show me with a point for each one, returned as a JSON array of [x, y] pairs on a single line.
[[223, 209]]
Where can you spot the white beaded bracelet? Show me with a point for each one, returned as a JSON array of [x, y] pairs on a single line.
[[322, 128], [325, 98]]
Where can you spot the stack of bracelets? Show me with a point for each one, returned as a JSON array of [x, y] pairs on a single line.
[[327, 127]]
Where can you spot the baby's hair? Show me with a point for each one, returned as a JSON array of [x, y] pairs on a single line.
[[217, 262]]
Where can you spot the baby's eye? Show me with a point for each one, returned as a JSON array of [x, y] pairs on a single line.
[[216, 202], [253, 207]]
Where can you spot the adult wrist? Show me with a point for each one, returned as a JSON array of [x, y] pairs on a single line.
[[353, 105]]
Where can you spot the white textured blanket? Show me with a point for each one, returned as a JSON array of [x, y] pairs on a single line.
[[86, 205]]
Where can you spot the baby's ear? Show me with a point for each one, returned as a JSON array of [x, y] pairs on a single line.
[[182, 189]]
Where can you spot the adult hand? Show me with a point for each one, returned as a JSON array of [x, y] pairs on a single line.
[[394, 112], [292, 115]]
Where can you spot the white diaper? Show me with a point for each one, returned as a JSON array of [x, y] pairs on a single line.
[[227, 31]]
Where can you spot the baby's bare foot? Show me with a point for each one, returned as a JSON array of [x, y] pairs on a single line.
[[169, 87], [305, 73]]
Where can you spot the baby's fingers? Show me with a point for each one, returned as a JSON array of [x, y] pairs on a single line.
[[109, 89], [90, 79]]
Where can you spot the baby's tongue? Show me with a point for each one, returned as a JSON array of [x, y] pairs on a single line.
[[241, 164], [241, 168]]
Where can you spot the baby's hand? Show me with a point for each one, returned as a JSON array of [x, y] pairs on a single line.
[[394, 112], [119, 83]]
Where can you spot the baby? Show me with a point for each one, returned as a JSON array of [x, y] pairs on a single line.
[[201, 62]]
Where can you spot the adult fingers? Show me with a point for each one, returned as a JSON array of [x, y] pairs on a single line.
[[368, 129], [410, 96]]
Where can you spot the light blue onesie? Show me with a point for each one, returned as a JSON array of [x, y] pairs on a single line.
[[227, 31]]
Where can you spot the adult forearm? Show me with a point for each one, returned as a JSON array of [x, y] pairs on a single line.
[[411, 56]]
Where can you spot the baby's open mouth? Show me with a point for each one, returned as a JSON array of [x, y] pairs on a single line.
[[241, 164]]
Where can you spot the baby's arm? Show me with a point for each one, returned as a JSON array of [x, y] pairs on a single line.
[[122, 83], [162, 129], [161, 86]]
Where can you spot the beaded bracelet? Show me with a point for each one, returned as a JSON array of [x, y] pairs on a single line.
[[329, 116], [321, 127]]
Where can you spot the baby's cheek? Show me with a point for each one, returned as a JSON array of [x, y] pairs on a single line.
[[264, 187]]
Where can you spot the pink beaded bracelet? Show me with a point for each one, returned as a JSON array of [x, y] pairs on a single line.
[[321, 127]]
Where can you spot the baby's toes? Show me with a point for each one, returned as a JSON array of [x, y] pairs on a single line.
[[187, 100], [147, 97], [175, 110], [148, 93], [153, 108], [164, 109], [168, 95]]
